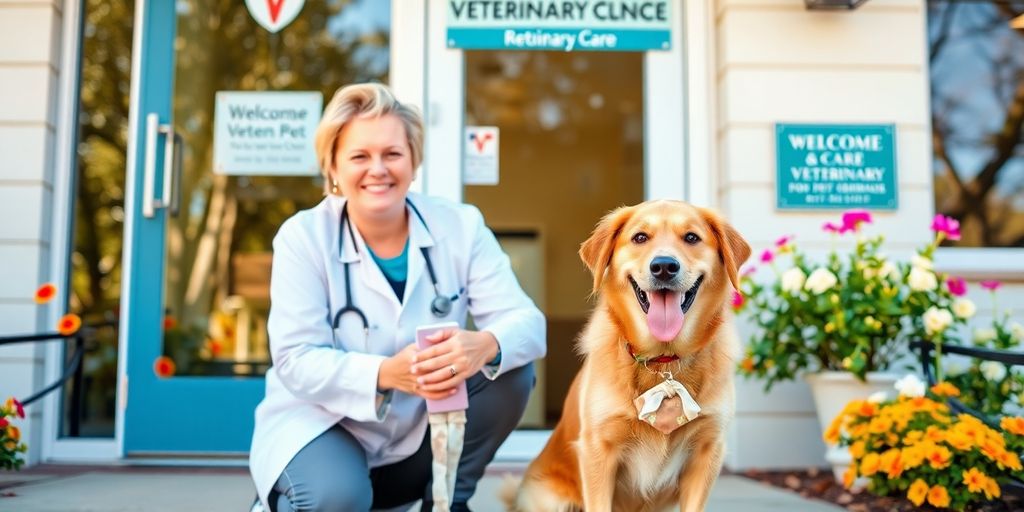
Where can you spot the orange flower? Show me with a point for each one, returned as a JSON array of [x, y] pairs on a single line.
[[164, 367], [880, 425], [1013, 425], [45, 293], [891, 463], [939, 457], [857, 449], [69, 324], [831, 435], [938, 496], [992, 488], [975, 480], [747, 365], [10, 445], [912, 457], [1010, 460], [917, 492], [14, 433], [869, 464], [169, 322], [945, 389], [866, 408], [959, 440]]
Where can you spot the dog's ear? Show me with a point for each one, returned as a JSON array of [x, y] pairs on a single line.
[[733, 250], [596, 251]]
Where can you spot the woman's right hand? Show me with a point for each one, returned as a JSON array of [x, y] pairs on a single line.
[[396, 373]]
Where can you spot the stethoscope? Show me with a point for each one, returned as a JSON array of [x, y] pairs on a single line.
[[440, 306]]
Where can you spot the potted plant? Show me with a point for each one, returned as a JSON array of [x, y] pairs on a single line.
[[840, 323]]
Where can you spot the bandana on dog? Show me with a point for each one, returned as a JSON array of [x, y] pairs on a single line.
[[666, 406]]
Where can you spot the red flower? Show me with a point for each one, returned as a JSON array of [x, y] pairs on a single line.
[[20, 409], [169, 323], [991, 285], [957, 286], [164, 367], [45, 293], [69, 324], [4, 423], [948, 226], [853, 219]]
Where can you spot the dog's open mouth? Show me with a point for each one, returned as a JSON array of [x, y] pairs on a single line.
[[665, 308]]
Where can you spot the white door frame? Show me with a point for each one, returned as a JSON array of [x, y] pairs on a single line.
[[678, 123]]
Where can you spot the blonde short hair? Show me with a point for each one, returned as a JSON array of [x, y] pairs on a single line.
[[360, 101]]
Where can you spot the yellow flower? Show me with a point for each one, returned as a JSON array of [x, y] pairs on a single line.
[[1013, 425], [912, 457], [975, 480], [912, 437], [10, 445], [831, 435], [1010, 460], [938, 496], [945, 389], [880, 425], [849, 476], [890, 463], [917, 492], [13, 432], [857, 449], [869, 464], [992, 488], [939, 457], [935, 434], [959, 440]]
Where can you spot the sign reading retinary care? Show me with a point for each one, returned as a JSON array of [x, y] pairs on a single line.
[[274, 15], [835, 166], [266, 133], [582, 25]]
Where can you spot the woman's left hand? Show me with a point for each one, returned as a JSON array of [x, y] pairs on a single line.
[[454, 356]]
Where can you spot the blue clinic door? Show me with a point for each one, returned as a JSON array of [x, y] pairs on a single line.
[[198, 246]]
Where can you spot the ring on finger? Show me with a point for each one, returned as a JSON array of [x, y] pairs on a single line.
[[453, 370]]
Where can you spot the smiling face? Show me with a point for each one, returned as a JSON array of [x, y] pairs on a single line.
[[664, 268], [373, 166]]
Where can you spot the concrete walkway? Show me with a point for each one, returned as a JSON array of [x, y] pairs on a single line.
[[159, 489]]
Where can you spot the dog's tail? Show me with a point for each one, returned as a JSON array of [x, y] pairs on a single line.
[[509, 490]]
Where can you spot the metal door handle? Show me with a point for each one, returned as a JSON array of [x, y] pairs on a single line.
[[151, 204]]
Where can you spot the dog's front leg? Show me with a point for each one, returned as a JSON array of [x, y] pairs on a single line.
[[599, 462], [700, 472]]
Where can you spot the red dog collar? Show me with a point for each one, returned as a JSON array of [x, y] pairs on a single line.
[[658, 359]]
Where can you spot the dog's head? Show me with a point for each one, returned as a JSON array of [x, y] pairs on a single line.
[[664, 268]]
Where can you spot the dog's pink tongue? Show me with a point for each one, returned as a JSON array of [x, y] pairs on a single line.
[[665, 317]]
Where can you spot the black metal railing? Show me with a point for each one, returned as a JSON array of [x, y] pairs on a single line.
[[72, 368], [925, 349]]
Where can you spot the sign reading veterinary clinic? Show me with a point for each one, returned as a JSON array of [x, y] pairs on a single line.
[[266, 133], [581, 25], [835, 166]]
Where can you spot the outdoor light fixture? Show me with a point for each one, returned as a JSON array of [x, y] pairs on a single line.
[[832, 5], [1018, 22]]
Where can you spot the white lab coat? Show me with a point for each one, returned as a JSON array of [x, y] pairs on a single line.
[[312, 385]]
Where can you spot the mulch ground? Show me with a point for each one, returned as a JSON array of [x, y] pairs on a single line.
[[820, 485]]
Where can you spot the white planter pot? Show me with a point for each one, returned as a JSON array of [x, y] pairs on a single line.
[[832, 391]]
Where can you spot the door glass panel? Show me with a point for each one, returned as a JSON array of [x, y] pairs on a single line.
[[571, 133], [219, 245]]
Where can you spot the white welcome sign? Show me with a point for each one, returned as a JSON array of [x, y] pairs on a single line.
[[274, 15], [266, 133]]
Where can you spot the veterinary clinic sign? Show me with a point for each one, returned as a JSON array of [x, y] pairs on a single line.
[[266, 133], [587, 25], [835, 166]]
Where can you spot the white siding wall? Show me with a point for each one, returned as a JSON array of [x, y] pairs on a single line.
[[778, 62], [29, 72]]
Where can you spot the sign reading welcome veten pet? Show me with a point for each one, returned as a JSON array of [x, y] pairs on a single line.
[[835, 166]]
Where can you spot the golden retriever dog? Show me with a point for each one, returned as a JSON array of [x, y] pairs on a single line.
[[663, 273]]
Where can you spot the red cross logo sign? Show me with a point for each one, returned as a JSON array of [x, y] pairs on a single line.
[[274, 15]]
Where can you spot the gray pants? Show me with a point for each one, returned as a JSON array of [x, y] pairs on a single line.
[[330, 474]]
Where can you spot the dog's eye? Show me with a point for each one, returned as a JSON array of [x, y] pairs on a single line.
[[640, 238], [691, 238]]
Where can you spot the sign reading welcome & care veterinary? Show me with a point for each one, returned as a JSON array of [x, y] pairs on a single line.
[[835, 166], [582, 25]]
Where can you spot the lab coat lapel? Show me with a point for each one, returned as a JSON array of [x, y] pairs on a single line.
[[419, 238]]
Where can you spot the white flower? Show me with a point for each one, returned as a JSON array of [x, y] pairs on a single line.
[[793, 280], [1017, 332], [964, 308], [887, 270], [878, 397], [918, 261], [983, 335], [922, 280], [953, 367], [910, 386], [820, 280], [993, 371], [937, 320]]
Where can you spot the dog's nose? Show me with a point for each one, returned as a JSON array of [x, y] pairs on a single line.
[[664, 268]]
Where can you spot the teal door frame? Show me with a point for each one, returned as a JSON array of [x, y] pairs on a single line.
[[176, 415]]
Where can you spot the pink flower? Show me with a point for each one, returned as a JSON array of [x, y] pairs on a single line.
[[957, 286], [991, 285], [767, 256], [737, 300], [748, 271], [784, 240], [948, 226], [832, 228], [852, 220]]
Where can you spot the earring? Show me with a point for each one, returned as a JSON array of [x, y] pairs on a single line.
[[334, 187]]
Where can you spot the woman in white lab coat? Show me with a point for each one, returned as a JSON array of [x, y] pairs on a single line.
[[343, 424]]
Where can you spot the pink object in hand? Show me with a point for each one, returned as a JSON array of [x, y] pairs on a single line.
[[460, 400]]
